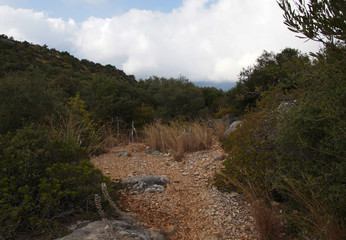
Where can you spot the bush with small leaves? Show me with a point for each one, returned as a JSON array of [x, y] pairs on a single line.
[[42, 180]]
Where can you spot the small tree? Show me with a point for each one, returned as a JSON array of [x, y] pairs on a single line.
[[318, 20]]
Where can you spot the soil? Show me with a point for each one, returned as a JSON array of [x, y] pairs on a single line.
[[190, 207]]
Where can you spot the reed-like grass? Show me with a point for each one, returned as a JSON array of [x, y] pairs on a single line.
[[320, 220], [178, 138], [269, 224]]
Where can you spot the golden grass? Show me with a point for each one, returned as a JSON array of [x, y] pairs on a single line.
[[178, 138], [268, 221], [321, 220]]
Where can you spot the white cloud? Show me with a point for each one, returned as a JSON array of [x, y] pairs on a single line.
[[203, 40], [86, 1], [37, 27]]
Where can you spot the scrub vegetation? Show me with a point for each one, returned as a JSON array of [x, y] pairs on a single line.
[[287, 156]]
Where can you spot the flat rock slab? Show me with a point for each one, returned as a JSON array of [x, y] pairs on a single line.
[[113, 229], [146, 183]]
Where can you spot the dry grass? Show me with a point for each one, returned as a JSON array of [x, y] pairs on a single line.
[[178, 138], [219, 130], [320, 219], [267, 219], [83, 132]]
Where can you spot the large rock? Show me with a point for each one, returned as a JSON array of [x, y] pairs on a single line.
[[229, 119], [144, 183], [231, 128], [113, 230]]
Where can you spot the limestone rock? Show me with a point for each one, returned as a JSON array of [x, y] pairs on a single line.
[[146, 183], [232, 128], [114, 229]]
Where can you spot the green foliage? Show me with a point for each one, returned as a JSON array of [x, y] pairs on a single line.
[[42, 180], [319, 20], [252, 159], [270, 70], [294, 142], [108, 92], [214, 99], [172, 98], [143, 115], [26, 98], [228, 110], [108, 98], [77, 127], [311, 140]]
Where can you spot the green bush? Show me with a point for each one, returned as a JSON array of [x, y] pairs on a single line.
[[298, 151], [76, 126], [311, 144], [143, 115], [26, 98], [229, 110], [251, 157], [42, 180]]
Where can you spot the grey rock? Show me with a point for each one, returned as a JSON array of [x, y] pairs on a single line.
[[140, 184], [148, 151], [114, 229], [123, 154], [234, 194], [229, 120], [156, 153], [154, 188], [285, 105], [232, 128]]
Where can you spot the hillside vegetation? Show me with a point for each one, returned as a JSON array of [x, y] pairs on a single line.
[[56, 111]]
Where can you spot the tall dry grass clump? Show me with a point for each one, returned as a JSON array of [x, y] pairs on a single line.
[[269, 223], [178, 138], [312, 213]]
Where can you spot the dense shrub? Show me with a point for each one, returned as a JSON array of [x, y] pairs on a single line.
[[252, 157], [143, 115], [270, 70], [311, 144], [26, 98], [76, 125], [297, 148], [43, 179]]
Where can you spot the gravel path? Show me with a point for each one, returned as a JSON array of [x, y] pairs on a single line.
[[190, 208]]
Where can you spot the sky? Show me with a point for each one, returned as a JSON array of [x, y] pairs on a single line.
[[203, 40]]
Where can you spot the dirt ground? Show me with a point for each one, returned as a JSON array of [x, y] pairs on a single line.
[[190, 207]]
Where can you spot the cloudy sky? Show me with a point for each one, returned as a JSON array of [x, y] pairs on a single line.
[[204, 40]]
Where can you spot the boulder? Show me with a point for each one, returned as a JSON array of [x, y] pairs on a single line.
[[144, 183], [231, 128], [229, 119], [285, 105], [114, 229]]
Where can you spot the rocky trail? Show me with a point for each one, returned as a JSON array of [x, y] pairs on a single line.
[[188, 207]]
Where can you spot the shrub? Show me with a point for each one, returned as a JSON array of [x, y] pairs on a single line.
[[42, 179], [143, 115], [25, 99], [224, 111], [251, 149], [76, 126], [311, 144]]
